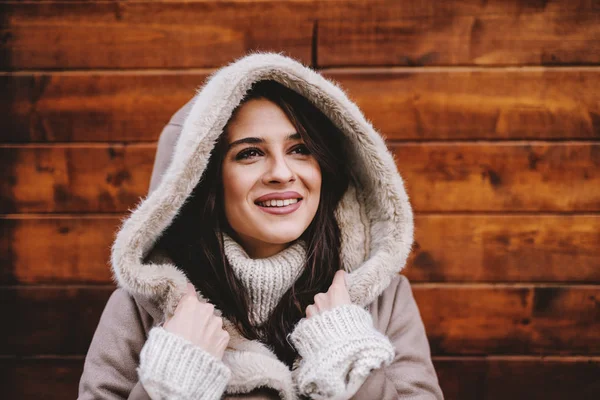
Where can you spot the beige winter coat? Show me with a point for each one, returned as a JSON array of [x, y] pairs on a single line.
[[375, 221]]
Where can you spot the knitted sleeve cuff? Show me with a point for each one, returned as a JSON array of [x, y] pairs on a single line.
[[339, 349], [171, 367]]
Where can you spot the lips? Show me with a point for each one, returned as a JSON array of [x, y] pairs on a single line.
[[278, 196], [279, 203]]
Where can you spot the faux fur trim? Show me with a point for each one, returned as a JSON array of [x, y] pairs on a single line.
[[255, 370], [375, 216]]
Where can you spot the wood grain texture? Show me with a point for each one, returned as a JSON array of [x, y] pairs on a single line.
[[51, 320], [448, 248], [497, 378], [393, 9], [485, 177], [505, 248], [460, 378], [74, 179], [459, 319], [211, 33], [546, 38], [92, 107], [432, 104], [56, 250], [439, 177], [149, 35], [544, 103], [40, 378], [507, 319]]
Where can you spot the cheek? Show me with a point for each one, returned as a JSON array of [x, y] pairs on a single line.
[[235, 189], [317, 176], [313, 178]]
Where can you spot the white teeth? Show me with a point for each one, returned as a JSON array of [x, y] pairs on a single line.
[[278, 203]]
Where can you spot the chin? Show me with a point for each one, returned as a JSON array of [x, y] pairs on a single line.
[[279, 236], [270, 229]]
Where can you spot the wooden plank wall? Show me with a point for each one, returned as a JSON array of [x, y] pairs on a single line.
[[492, 109]]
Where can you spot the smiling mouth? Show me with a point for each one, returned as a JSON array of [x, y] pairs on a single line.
[[278, 203]]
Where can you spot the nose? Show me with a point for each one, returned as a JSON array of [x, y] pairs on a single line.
[[278, 171]]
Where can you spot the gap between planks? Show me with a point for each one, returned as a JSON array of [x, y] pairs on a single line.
[[421, 285], [501, 357], [336, 70], [474, 214], [391, 143]]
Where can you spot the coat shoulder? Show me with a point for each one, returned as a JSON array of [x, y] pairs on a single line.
[[109, 370], [124, 308], [412, 374], [390, 302]]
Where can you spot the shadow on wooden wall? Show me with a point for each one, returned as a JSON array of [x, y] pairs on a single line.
[[492, 110]]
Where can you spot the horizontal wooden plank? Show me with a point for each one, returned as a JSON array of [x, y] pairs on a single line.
[[515, 378], [51, 320], [459, 319], [505, 248], [45, 378], [559, 103], [74, 179], [460, 378], [56, 250], [510, 319], [478, 104], [40, 378], [488, 177], [149, 35], [439, 177], [392, 9], [396, 9], [545, 38], [448, 248], [210, 33], [92, 107]]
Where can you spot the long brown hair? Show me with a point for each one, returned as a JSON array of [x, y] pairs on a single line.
[[194, 239]]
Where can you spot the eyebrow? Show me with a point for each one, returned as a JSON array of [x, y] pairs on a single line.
[[256, 140]]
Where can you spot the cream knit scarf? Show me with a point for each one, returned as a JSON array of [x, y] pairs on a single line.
[[265, 279]]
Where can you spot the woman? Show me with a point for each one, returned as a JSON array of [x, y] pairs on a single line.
[[267, 186]]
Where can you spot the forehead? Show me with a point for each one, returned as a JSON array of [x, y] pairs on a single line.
[[259, 118]]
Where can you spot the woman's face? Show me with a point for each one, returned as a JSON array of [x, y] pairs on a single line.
[[272, 184]]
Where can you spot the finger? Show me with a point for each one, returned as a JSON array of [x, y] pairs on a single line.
[[215, 324], [310, 311], [219, 322], [221, 346], [323, 300], [223, 339], [185, 303], [225, 335], [191, 290], [189, 301], [339, 279], [208, 308]]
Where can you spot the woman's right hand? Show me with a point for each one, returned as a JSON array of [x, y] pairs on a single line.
[[196, 322]]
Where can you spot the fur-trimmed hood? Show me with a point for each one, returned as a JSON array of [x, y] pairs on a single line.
[[374, 216]]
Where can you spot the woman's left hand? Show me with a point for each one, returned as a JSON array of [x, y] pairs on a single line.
[[337, 295]]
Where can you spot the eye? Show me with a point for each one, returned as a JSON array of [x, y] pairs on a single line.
[[301, 149], [248, 153]]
